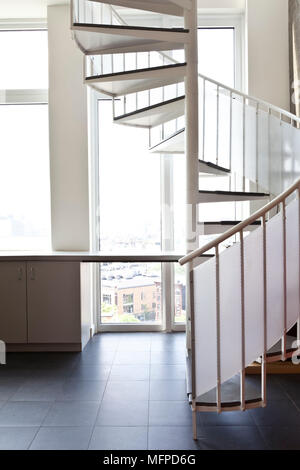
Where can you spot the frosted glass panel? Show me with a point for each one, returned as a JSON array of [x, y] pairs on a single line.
[[237, 133], [287, 155], [210, 150], [250, 142], [292, 257], [205, 326], [274, 279], [263, 149], [254, 295], [276, 166], [224, 130], [230, 311]]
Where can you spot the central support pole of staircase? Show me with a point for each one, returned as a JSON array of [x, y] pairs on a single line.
[[192, 153]]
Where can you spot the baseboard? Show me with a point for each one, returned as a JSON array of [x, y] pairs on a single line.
[[44, 347]]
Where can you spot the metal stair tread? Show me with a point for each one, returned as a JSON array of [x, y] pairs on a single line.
[[130, 28], [129, 72]]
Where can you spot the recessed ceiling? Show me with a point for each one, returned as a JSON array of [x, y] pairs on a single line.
[[27, 8]]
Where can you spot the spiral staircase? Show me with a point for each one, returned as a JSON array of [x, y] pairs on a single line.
[[245, 298]]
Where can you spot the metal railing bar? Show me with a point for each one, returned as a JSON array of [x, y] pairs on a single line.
[[265, 324], [283, 343], [242, 225], [218, 331], [243, 355]]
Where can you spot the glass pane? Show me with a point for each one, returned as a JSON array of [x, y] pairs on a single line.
[[24, 178], [129, 187], [24, 59], [131, 293], [218, 43]]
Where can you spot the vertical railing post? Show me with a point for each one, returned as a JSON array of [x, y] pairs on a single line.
[[244, 143], [204, 118], [283, 341], [193, 355], [218, 331], [257, 146], [265, 316], [243, 349], [217, 130], [230, 131], [298, 322]]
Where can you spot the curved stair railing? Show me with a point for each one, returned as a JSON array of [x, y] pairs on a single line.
[[245, 300]]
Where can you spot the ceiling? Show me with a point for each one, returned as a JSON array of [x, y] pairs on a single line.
[[27, 8]]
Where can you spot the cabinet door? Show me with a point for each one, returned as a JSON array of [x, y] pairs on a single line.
[[13, 321], [53, 302]]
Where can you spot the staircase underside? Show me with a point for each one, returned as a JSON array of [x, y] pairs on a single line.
[[230, 393], [122, 83], [154, 115], [110, 39], [230, 196], [166, 7], [174, 144]]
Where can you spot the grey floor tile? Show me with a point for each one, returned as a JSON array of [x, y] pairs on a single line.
[[281, 437], [164, 413], [91, 372], [9, 386], [291, 385], [228, 418], [130, 372], [92, 357], [168, 357], [62, 438], [277, 413], [17, 438], [167, 372], [132, 357], [171, 438], [82, 390], [23, 413], [123, 413], [127, 390], [72, 413], [168, 390], [38, 390], [231, 438], [274, 389], [119, 438]]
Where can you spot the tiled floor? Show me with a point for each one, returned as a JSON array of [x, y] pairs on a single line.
[[127, 391]]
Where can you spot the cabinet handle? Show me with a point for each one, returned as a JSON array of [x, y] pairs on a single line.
[[20, 274], [32, 274]]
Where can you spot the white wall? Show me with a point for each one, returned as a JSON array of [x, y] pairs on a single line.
[[68, 136], [268, 50]]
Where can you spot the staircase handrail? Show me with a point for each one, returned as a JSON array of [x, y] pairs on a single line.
[[239, 228]]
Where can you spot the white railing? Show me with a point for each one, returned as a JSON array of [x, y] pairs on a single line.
[[256, 140], [246, 298]]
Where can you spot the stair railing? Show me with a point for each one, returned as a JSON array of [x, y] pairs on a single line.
[[262, 271]]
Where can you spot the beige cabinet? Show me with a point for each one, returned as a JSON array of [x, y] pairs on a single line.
[[13, 312], [53, 302], [40, 306]]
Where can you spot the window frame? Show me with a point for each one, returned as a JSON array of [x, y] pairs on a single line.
[[205, 20]]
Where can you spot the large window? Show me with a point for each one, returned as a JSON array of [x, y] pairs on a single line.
[[134, 187], [24, 159]]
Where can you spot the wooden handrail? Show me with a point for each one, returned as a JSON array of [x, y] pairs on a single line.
[[242, 225]]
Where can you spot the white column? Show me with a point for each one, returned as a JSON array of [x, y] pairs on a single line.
[[68, 136], [192, 144]]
